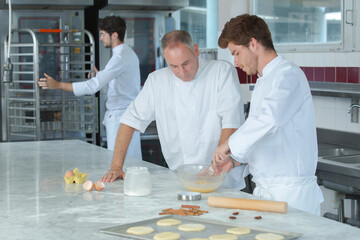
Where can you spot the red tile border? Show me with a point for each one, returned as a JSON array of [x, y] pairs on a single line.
[[353, 75], [329, 74], [319, 74], [242, 76], [341, 74], [309, 72]]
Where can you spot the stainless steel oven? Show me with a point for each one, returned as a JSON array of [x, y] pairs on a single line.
[[47, 39]]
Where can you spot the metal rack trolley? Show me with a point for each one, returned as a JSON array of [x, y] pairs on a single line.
[[36, 114]]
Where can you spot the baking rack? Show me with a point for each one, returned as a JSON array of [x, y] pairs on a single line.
[[34, 114]]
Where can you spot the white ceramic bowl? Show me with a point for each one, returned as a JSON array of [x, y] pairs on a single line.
[[189, 176]]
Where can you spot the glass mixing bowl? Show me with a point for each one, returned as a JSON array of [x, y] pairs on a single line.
[[189, 175]]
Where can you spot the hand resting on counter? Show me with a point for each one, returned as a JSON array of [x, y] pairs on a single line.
[[112, 175]]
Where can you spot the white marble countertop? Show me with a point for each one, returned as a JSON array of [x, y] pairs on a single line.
[[35, 202]]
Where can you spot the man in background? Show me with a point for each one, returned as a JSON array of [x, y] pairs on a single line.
[[121, 75]]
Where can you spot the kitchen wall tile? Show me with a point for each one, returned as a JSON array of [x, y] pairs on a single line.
[[309, 60], [254, 78], [341, 74], [319, 75], [353, 75], [341, 59], [329, 102], [309, 72], [342, 104], [328, 118], [353, 59], [329, 59], [329, 74], [340, 120], [319, 117], [318, 101], [241, 75], [318, 59]]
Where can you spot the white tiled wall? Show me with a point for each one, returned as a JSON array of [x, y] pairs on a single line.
[[324, 59], [332, 113]]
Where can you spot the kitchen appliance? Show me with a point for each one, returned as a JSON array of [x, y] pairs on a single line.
[[48, 40], [338, 169]]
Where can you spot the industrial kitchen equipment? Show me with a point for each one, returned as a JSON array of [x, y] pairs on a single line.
[[53, 41]]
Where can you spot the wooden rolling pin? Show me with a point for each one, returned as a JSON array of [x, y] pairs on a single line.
[[248, 204]]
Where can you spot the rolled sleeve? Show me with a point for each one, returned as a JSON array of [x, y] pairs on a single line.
[[140, 112]]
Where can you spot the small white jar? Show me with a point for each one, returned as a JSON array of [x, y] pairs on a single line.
[[137, 181]]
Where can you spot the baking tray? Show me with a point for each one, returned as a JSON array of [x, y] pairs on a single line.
[[212, 227]]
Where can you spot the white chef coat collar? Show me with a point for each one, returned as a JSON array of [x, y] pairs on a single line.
[[268, 68], [118, 47], [201, 67]]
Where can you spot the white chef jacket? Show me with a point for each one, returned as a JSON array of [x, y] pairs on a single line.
[[278, 139], [189, 115], [122, 74]]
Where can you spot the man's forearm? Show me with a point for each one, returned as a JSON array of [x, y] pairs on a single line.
[[65, 86], [225, 134], [122, 142]]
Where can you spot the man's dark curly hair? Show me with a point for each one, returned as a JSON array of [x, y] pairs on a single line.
[[241, 29], [113, 24]]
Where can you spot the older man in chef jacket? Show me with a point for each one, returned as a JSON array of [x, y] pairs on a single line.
[[278, 139], [196, 105]]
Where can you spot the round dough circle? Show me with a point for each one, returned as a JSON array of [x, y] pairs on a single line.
[[166, 236], [269, 236], [198, 239], [238, 230], [192, 227], [140, 230], [168, 222], [223, 237]]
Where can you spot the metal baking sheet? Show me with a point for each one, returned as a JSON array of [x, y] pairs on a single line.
[[212, 227]]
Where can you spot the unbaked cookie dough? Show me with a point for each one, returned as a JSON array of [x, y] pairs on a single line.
[[223, 237], [141, 230], [168, 222], [198, 239], [167, 236], [192, 227], [238, 230], [269, 236]]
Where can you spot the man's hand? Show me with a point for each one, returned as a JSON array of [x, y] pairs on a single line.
[[222, 153], [48, 83], [112, 175], [226, 165], [95, 72]]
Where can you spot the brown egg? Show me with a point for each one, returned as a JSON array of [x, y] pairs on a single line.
[[88, 185], [69, 174], [99, 185]]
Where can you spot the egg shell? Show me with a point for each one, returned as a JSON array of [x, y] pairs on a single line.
[[69, 174], [99, 185], [88, 185]]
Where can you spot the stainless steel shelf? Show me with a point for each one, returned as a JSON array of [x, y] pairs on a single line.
[[341, 90]]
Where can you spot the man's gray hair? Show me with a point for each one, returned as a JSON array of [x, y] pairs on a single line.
[[177, 36]]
